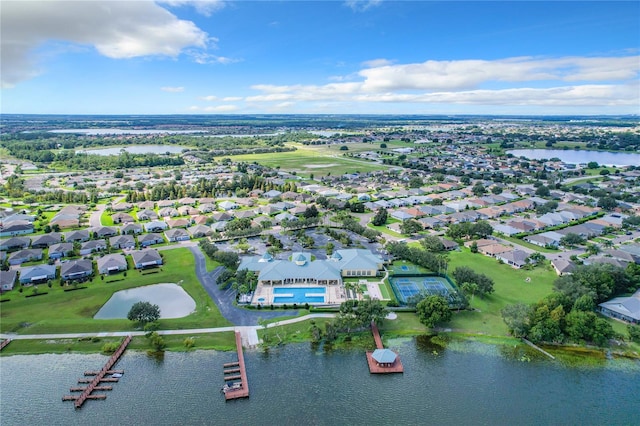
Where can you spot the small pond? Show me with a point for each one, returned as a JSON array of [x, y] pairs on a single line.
[[135, 149], [173, 301]]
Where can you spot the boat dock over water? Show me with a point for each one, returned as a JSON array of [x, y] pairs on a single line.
[[99, 377], [4, 343], [232, 388]]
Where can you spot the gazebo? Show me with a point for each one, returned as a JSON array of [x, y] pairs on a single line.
[[384, 357]]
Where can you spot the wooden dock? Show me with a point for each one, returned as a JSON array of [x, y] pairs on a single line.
[[94, 383], [378, 368], [237, 389], [4, 343]]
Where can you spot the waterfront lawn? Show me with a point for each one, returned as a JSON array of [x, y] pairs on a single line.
[[510, 287], [406, 324], [218, 341], [73, 311]]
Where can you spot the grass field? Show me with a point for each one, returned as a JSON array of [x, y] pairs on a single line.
[[510, 287], [73, 311], [320, 160]]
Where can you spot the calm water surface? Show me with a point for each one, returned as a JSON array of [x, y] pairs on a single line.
[[135, 149], [469, 384], [580, 157], [172, 300]]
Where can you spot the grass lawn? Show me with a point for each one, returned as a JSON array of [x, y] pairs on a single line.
[[385, 291], [106, 219], [510, 287], [384, 229], [73, 311], [320, 160]]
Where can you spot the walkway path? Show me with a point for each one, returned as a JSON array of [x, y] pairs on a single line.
[[162, 332]]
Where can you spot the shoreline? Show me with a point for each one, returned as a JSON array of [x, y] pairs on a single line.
[[223, 342]]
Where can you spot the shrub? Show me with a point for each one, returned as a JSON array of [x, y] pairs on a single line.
[[189, 342], [110, 347]]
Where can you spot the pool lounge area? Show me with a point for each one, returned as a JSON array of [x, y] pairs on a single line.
[[312, 295]]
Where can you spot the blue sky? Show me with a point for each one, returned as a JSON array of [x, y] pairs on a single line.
[[387, 57]]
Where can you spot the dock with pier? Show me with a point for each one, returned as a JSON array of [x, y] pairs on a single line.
[[234, 389], [94, 384], [382, 361], [4, 343]]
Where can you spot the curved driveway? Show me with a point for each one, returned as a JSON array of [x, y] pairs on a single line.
[[225, 299]]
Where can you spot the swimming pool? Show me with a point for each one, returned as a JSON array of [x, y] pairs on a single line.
[[299, 294]]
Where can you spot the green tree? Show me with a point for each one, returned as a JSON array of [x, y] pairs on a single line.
[[517, 318], [572, 240], [380, 217], [144, 312], [634, 333], [410, 227], [433, 310], [432, 243]]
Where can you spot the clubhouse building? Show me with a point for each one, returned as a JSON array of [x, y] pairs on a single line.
[[300, 271]]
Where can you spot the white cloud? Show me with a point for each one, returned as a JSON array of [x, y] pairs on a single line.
[[203, 7], [232, 98], [362, 5], [116, 29], [374, 63], [221, 108], [511, 81], [172, 89], [201, 57], [209, 98]]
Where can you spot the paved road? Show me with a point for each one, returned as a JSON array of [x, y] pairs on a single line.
[[224, 299], [94, 219]]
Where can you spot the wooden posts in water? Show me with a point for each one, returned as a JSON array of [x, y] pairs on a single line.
[[94, 383]]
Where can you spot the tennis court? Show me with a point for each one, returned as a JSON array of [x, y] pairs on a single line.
[[408, 287]]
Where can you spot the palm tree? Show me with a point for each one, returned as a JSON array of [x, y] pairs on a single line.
[[469, 288]]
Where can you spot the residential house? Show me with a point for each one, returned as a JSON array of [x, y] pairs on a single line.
[[8, 279], [15, 243], [147, 258], [112, 263], [545, 239], [146, 240], [155, 226], [76, 269], [227, 205], [178, 223], [104, 231], [92, 246], [37, 274], [515, 258], [199, 231], [17, 227], [563, 266], [122, 218], [81, 235], [168, 212], [623, 308], [147, 215], [131, 228], [122, 242], [43, 241], [177, 234], [26, 255], [60, 250]]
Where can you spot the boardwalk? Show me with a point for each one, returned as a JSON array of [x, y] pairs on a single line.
[[387, 361], [94, 384], [238, 389], [4, 343]]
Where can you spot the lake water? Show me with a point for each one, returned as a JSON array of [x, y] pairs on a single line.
[[172, 300], [467, 383], [135, 149], [104, 132], [580, 157]]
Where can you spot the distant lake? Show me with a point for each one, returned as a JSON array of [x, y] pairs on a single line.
[[324, 133], [135, 149], [102, 132], [173, 301], [580, 157]]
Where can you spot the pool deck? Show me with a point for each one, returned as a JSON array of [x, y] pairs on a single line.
[[334, 295]]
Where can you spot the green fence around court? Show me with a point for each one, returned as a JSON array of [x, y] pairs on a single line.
[[410, 287]]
